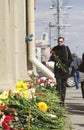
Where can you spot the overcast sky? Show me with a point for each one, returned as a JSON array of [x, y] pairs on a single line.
[[74, 35]]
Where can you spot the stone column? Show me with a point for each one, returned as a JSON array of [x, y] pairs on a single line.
[[13, 61]]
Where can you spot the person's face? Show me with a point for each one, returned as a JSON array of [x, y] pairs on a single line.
[[60, 42]]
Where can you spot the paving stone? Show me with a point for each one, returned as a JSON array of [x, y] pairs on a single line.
[[75, 104]]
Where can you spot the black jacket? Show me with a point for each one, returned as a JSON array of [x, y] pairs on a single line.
[[81, 66], [64, 54]]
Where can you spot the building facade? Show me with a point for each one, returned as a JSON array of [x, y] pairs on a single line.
[[42, 50]]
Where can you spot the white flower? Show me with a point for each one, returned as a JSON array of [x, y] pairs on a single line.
[[30, 72], [52, 116], [32, 90], [4, 95], [1, 120]]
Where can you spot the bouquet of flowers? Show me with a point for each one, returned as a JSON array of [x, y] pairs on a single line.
[[59, 63]]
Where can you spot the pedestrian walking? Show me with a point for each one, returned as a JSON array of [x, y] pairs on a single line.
[[62, 57], [81, 69], [81, 66], [75, 72]]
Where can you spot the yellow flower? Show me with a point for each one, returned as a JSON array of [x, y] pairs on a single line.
[[42, 106], [21, 86], [25, 95], [4, 95], [2, 103]]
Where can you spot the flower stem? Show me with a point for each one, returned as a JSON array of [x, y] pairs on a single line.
[[29, 118]]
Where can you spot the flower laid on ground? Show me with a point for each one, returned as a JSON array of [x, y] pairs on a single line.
[[42, 106], [59, 63], [45, 114], [4, 95], [21, 86], [46, 82], [5, 120]]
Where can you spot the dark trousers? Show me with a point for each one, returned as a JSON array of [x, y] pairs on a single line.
[[61, 88], [82, 89]]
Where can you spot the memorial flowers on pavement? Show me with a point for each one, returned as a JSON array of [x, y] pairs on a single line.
[[31, 107]]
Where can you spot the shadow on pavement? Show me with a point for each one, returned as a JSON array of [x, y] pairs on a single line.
[[82, 125], [75, 108], [74, 98]]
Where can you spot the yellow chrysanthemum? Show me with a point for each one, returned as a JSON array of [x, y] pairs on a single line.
[[4, 95], [42, 106], [21, 86]]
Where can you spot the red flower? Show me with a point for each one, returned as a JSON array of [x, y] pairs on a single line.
[[5, 126], [6, 120], [3, 107], [42, 80], [52, 52]]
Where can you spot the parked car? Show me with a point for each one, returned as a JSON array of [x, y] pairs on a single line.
[[70, 80]]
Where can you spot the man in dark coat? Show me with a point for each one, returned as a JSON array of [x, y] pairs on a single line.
[[62, 57]]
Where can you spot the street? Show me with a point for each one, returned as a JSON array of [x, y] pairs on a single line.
[[75, 104]]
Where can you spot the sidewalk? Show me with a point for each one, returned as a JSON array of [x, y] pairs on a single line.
[[75, 104]]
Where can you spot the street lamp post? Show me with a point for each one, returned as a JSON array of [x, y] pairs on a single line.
[[51, 25], [59, 6]]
